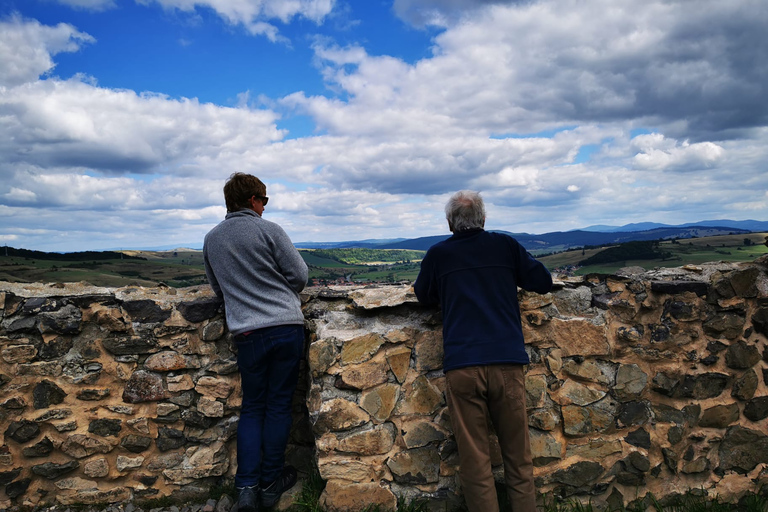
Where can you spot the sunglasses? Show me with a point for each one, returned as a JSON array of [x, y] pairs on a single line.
[[264, 199]]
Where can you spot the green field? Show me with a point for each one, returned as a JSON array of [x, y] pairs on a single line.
[[184, 267], [693, 251]]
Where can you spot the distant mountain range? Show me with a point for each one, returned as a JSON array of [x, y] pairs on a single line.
[[562, 240], [555, 241]]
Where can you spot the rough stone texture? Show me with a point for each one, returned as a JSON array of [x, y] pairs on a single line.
[[651, 380]]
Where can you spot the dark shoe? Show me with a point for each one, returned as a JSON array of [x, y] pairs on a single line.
[[248, 499], [271, 493]]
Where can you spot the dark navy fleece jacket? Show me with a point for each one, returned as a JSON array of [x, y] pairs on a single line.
[[474, 276]]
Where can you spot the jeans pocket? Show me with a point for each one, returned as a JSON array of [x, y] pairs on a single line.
[[287, 340], [514, 382], [463, 382]]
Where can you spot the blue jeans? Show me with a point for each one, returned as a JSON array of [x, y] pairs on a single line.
[[269, 368]]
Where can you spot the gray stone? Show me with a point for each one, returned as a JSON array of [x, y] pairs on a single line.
[[745, 386], [130, 345], [105, 427], [724, 324], [93, 394], [760, 320], [756, 409], [579, 474], [597, 417], [630, 381], [80, 446], [46, 393], [144, 386], [64, 321], [544, 448], [417, 466], [633, 413], [22, 431], [741, 356], [675, 435], [17, 488], [719, 416], [7, 477], [705, 385], [146, 311], [40, 449], [52, 471], [97, 468], [676, 287], [744, 282], [135, 443], [201, 309], [169, 439], [213, 330], [670, 459], [640, 438], [742, 449]]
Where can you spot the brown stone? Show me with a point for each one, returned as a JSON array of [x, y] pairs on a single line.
[[594, 418], [529, 300], [574, 393], [579, 337], [595, 449], [399, 359], [366, 375], [591, 370], [378, 297], [91, 497], [166, 361], [417, 466], [339, 414], [380, 401], [375, 441], [80, 446], [322, 355], [216, 387], [18, 353], [428, 351], [417, 433], [144, 386], [361, 349], [419, 397], [345, 468], [543, 419], [344, 496], [719, 416], [535, 391], [178, 383], [210, 407], [544, 448]]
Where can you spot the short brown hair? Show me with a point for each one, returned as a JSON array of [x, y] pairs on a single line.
[[240, 188]]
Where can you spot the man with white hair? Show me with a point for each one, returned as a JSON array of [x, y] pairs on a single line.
[[474, 276]]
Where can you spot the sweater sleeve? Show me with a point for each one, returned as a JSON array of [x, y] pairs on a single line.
[[210, 275], [532, 275], [292, 265], [425, 286]]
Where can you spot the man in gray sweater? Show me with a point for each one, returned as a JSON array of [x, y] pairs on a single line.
[[252, 264]]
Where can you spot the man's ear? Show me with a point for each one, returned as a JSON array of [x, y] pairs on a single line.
[[450, 226]]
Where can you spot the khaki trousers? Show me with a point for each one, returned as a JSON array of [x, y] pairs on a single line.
[[473, 394]]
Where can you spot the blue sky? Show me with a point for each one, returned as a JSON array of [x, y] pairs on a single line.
[[120, 120]]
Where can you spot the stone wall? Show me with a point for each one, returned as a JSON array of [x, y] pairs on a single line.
[[640, 382]]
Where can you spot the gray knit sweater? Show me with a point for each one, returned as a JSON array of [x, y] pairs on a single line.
[[252, 264]]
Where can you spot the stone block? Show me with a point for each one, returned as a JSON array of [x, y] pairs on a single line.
[[345, 496], [339, 414], [380, 401], [361, 349]]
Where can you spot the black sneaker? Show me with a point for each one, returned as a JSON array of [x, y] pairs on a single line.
[[271, 493], [248, 499]]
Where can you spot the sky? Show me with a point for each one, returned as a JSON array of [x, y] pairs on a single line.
[[120, 120]]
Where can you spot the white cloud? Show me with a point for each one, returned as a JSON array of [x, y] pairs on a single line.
[[255, 14], [95, 5], [26, 48]]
